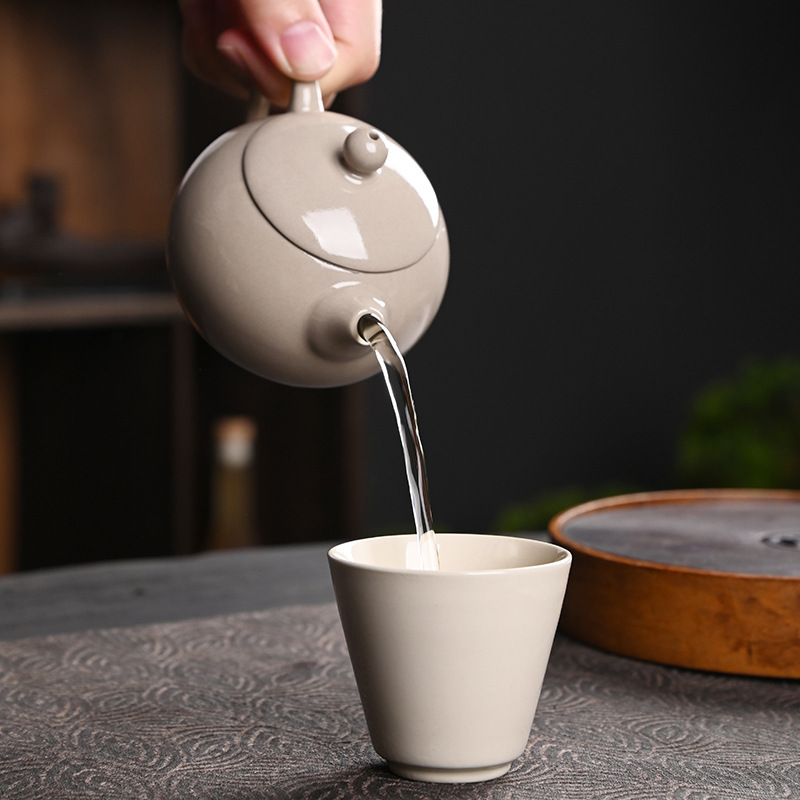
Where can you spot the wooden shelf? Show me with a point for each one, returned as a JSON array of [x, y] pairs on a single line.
[[89, 308], [58, 310]]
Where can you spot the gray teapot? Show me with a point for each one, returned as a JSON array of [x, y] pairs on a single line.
[[288, 230]]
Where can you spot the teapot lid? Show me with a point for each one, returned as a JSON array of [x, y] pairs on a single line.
[[340, 189]]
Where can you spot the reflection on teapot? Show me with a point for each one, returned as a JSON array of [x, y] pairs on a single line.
[[288, 230]]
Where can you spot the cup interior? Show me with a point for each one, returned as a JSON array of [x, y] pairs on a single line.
[[458, 552]]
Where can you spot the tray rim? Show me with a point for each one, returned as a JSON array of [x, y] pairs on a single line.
[[665, 497]]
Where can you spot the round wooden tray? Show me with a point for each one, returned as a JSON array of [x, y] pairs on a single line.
[[705, 579]]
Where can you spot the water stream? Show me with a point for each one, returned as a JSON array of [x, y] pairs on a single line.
[[395, 375]]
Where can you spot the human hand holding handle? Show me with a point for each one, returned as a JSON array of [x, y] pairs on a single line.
[[241, 45]]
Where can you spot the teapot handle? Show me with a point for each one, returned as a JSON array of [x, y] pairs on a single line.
[[305, 97], [257, 106]]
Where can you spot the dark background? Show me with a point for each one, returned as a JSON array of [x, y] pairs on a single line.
[[620, 182]]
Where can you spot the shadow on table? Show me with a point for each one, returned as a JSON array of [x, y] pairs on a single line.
[[375, 780]]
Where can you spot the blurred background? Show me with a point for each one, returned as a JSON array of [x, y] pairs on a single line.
[[620, 183], [620, 186]]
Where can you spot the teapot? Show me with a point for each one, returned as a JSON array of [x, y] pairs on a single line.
[[289, 230]]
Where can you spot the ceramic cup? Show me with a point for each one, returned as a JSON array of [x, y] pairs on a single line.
[[449, 663]]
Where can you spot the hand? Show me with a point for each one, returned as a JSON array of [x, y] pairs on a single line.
[[239, 45]]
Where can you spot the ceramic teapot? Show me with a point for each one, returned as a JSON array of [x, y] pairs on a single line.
[[287, 230]]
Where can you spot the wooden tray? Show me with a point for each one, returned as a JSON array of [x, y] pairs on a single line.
[[705, 579]]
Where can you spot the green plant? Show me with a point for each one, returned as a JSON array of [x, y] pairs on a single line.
[[745, 431], [535, 515]]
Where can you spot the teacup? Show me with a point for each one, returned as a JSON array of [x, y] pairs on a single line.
[[449, 663]]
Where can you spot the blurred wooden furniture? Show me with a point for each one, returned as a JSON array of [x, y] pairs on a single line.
[[8, 467], [107, 397], [89, 93]]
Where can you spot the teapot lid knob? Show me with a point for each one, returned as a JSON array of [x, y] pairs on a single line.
[[365, 150]]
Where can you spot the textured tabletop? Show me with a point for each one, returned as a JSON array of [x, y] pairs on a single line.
[[263, 705], [120, 593]]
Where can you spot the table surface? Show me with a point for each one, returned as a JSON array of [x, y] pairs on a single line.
[[226, 676]]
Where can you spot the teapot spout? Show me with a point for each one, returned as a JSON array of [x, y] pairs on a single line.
[[334, 327], [368, 327]]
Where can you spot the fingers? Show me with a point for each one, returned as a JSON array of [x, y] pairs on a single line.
[[280, 40], [237, 43], [202, 22], [356, 26]]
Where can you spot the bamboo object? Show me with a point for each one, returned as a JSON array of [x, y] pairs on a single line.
[[701, 618]]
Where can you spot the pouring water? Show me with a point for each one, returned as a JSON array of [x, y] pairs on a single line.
[[395, 374]]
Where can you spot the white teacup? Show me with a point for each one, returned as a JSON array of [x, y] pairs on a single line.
[[449, 663]]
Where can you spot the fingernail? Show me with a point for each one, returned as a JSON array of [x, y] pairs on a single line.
[[309, 52]]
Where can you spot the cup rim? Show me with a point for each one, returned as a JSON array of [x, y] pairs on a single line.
[[563, 557]]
